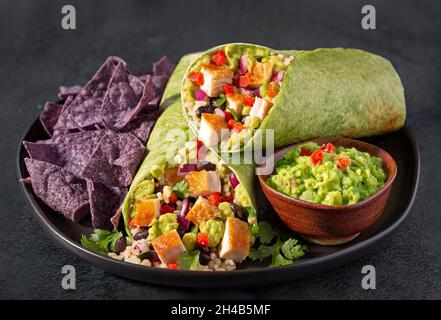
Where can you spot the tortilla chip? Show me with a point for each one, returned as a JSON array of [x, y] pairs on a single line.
[[115, 160], [65, 92], [59, 189], [49, 116], [104, 204]]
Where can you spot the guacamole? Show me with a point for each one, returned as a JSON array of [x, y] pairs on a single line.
[[328, 175]]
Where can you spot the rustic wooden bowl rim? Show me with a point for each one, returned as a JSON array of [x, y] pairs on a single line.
[[369, 148]]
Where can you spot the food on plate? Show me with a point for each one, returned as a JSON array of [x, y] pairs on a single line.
[[231, 90], [97, 136], [328, 174], [181, 210]]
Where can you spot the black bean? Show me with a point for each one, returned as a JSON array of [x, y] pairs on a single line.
[[238, 212], [206, 165], [141, 234], [204, 258], [147, 255], [204, 109], [203, 249], [181, 231], [120, 245]]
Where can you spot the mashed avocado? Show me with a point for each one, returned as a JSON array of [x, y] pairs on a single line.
[[214, 229], [165, 223], [328, 175], [241, 196], [144, 190]]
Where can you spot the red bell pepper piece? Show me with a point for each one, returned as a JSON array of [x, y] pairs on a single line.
[[329, 147], [214, 199], [249, 101], [219, 57], [196, 77], [343, 163], [166, 209], [317, 156], [202, 239], [228, 89], [173, 265], [244, 81], [305, 152]]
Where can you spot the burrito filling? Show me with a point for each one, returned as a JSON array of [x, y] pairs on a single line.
[[192, 208], [228, 94]]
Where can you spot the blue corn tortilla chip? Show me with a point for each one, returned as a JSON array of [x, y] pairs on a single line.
[[126, 96], [104, 205], [59, 189], [49, 116], [84, 108], [65, 92], [115, 160], [163, 67]]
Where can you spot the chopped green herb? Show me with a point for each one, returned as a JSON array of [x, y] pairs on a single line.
[[281, 252], [181, 189], [101, 241], [189, 260]]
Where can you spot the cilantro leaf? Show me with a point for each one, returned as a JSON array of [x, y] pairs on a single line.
[[292, 250], [101, 241], [181, 189], [261, 253], [189, 260], [279, 260], [266, 233]]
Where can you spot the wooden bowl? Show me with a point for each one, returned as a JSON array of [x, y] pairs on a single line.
[[331, 225]]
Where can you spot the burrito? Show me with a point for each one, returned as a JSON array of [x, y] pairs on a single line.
[[183, 200], [232, 93]]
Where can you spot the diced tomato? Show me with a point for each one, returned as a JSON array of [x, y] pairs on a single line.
[[173, 265], [343, 163], [248, 100], [196, 77], [173, 198], [238, 126], [202, 239], [329, 147], [273, 90], [244, 81], [214, 199], [132, 224], [219, 58], [228, 89], [166, 209], [305, 152], [231, 123], [227, 198], [228, 116], [317, 156]]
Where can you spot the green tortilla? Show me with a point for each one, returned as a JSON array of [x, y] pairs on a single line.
[[328, 92], [158, 144]]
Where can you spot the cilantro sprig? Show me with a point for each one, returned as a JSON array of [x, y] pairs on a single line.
[[101, 241], [189, 260], [282, 252], [181, 190]]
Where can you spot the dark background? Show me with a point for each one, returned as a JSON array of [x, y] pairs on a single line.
[[37, 55]]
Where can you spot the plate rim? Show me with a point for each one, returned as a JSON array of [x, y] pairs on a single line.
[[91, 257]]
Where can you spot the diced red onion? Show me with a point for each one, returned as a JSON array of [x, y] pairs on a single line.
[[257, 92], [185, 207], [243, 68], [246, 91], [186, 168], [233, 180], [278, 77], [183, 222], [219, 112], [200, 95]]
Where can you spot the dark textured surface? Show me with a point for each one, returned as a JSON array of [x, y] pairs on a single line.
[[36, 56]]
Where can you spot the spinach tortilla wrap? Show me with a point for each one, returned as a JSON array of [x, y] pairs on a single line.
[[231, 90], [178, 197]]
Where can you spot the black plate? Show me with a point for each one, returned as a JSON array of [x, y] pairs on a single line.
[[401, 145]]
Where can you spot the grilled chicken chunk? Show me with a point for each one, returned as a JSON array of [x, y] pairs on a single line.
[[214, 78], [202, 211], [203, 183], [260, 108], [145, 211], [168, 246], [210, 130], [261, 73], [235, 102], [236, 241]]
